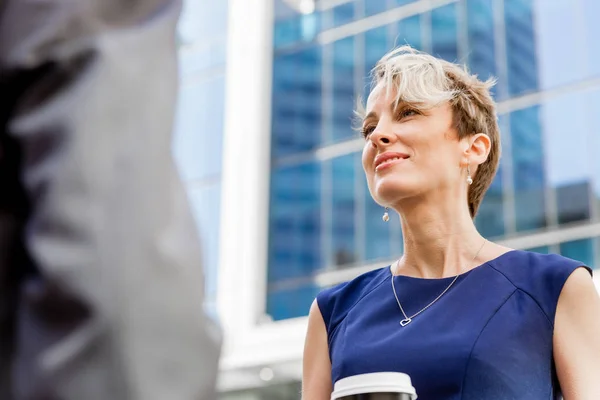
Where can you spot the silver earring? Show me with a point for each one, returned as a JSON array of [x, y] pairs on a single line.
[[386, 216], [469, 178]]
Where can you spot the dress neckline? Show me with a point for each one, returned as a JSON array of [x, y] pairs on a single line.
[[461, 275]]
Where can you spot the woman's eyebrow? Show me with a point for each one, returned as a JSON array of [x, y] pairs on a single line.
[[396, 105], [371, 115]]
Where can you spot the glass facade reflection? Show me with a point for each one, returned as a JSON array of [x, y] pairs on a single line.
[[322, 217], [521, 50], [297, 218], [197, 141], [343, 232], [529, 181], [444, 32], [481, 40], [297, 123], [342, 91], [408, 31]]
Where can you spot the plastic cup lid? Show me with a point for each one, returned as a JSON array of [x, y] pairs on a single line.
[[378, 382]]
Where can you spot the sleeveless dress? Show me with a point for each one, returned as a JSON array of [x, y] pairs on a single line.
[[489, 337]]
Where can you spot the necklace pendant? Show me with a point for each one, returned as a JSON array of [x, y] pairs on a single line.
[[405, 322]]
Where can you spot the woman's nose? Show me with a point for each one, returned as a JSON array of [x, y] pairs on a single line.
[[381, 138]]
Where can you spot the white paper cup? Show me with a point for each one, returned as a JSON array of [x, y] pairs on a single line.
[[375, 386]]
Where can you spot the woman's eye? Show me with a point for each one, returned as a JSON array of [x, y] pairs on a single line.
[[408, 113], [367, 130]]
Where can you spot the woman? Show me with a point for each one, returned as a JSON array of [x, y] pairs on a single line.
[[464, 317]]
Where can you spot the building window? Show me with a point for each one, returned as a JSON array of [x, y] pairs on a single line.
[[521, 54], [444, 33], [481, 40], [295, 227], [343, 94], [408, 32], [297, 94], [343, 209], [490, 218], [528, 169], [580, 250]]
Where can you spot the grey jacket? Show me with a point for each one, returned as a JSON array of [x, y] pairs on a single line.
[[101, 285]]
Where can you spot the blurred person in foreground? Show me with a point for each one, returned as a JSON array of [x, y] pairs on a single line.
[[464, 317], [101, 286]]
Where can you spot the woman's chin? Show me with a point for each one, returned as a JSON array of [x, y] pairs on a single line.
[[387, 191]]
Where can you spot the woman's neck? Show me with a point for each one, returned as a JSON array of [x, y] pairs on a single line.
[[439, 242]]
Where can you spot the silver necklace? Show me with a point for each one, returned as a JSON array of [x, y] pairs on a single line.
[[407, 320]]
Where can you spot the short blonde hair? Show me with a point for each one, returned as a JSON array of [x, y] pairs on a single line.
[[424, 82]]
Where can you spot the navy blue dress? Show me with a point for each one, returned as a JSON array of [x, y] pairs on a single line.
[[488, 338]]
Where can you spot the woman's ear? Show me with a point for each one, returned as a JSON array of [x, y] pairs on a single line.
[[479, 148]]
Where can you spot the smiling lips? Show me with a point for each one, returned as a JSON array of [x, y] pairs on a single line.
[[388, 159]]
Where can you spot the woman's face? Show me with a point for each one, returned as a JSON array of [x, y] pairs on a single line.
[[409, 153]]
